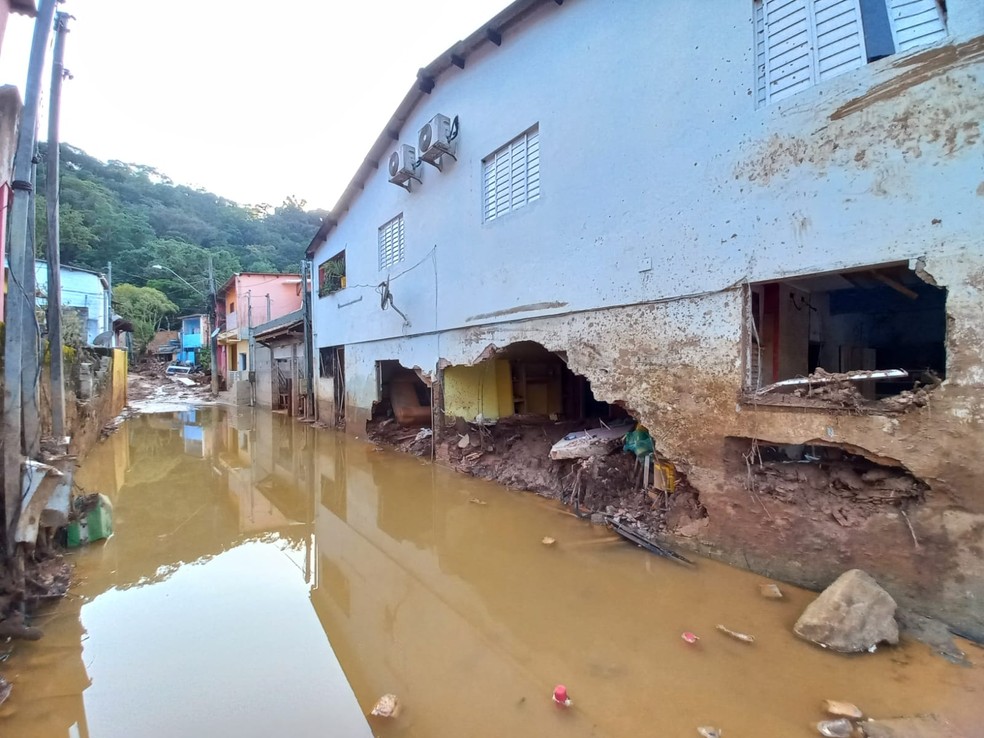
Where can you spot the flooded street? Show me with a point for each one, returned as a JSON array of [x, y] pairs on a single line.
[[269, 579]]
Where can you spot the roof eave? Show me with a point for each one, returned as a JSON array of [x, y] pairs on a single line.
[[456, 55]]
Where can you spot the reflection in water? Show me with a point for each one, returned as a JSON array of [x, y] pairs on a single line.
[[268, 579]]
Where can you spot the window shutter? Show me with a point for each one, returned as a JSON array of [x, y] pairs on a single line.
[[533, 166], [392, 243], [789, 53], [511, 176], [916, 23], [840, 37], [760, 59]]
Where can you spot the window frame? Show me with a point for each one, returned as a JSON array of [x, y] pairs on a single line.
[[821, 48], [390, 256], [337, 280], [491, 209]]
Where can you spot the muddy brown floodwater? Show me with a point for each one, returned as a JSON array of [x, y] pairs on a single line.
[[269, 579]]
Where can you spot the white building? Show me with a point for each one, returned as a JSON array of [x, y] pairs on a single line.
[[84, 292], [686, 206]]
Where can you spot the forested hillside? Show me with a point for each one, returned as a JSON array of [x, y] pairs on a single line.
[[136, 217]]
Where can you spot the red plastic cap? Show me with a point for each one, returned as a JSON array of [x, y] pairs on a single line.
[[560, 693]]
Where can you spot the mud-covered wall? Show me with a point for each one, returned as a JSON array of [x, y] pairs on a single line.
[[677, 366], [650, 223]]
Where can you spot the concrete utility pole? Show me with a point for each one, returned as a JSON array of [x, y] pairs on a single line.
[[20, 305], [109, 304], [31, 346], [55, 343], [310, 408], [213, 341]]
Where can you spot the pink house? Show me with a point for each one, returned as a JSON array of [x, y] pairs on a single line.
[[247, 300]]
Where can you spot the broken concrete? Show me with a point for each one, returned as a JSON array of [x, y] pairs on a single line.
[[853, 614]]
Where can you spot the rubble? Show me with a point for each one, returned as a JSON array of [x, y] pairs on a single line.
[[924, 726], [387, 706], [853, 614], [842, 709], [770, 591]]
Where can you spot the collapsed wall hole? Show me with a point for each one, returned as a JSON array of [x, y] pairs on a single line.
[[524, 379], [402, 396], [876, 318], [826, 481]]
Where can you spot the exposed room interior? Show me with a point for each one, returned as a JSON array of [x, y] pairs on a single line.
[[402, 394], [875, 318], [523, 379]]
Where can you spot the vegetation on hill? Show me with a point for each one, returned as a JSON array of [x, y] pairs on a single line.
[[137, 218]]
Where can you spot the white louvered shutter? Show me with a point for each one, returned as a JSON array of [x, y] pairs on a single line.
[[511, 176], [760, 60], [916, 23], [840, 37], [789, 51], [391, 242]]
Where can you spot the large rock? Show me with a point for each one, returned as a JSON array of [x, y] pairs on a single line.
[[852, 614]]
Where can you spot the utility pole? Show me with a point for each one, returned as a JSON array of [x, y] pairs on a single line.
[[250, 367], [20, 305], [30, 347], [213, 341], [109, 304], [308, 342], [53, 189]]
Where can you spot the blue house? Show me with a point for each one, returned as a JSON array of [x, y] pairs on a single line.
[[194, 330]]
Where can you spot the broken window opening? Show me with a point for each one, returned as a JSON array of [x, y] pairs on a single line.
[[850, 338], [402, 394]]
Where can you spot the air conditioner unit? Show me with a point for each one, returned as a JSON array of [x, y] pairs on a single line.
[[436, 139], [403, 166]]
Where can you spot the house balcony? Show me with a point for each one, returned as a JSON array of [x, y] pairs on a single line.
[[191, 340]]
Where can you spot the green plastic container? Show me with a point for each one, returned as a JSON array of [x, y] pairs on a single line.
[[94, 525]]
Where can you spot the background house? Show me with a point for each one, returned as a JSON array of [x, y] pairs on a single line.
[[247, 300], [83, 292], [666, 212], [194, 338]]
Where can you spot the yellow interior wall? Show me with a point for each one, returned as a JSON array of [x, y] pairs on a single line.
[[485, 388], [503, 383]]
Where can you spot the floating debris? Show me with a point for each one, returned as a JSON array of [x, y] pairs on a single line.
[[743, 637], [708, 732], [840, 728], [560, 696], [689, 637], [548, 541], [842, 709], [476, 501], [387, 706], [770, 591]]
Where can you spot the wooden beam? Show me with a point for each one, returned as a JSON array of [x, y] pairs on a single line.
[[895, 285]]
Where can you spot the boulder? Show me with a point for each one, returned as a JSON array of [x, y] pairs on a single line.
[[924, 726], [853, 614]]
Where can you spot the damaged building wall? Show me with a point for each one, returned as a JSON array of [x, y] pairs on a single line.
[[636, 258]]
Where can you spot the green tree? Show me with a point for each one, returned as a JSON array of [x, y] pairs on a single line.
[[145, 307]]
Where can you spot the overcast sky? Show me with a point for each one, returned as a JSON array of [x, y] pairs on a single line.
[[245, 98]]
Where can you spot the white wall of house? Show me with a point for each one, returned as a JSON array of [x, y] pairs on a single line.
[[659, 175]]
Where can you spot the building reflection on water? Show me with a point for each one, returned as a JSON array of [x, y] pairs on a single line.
[[455, 607]]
